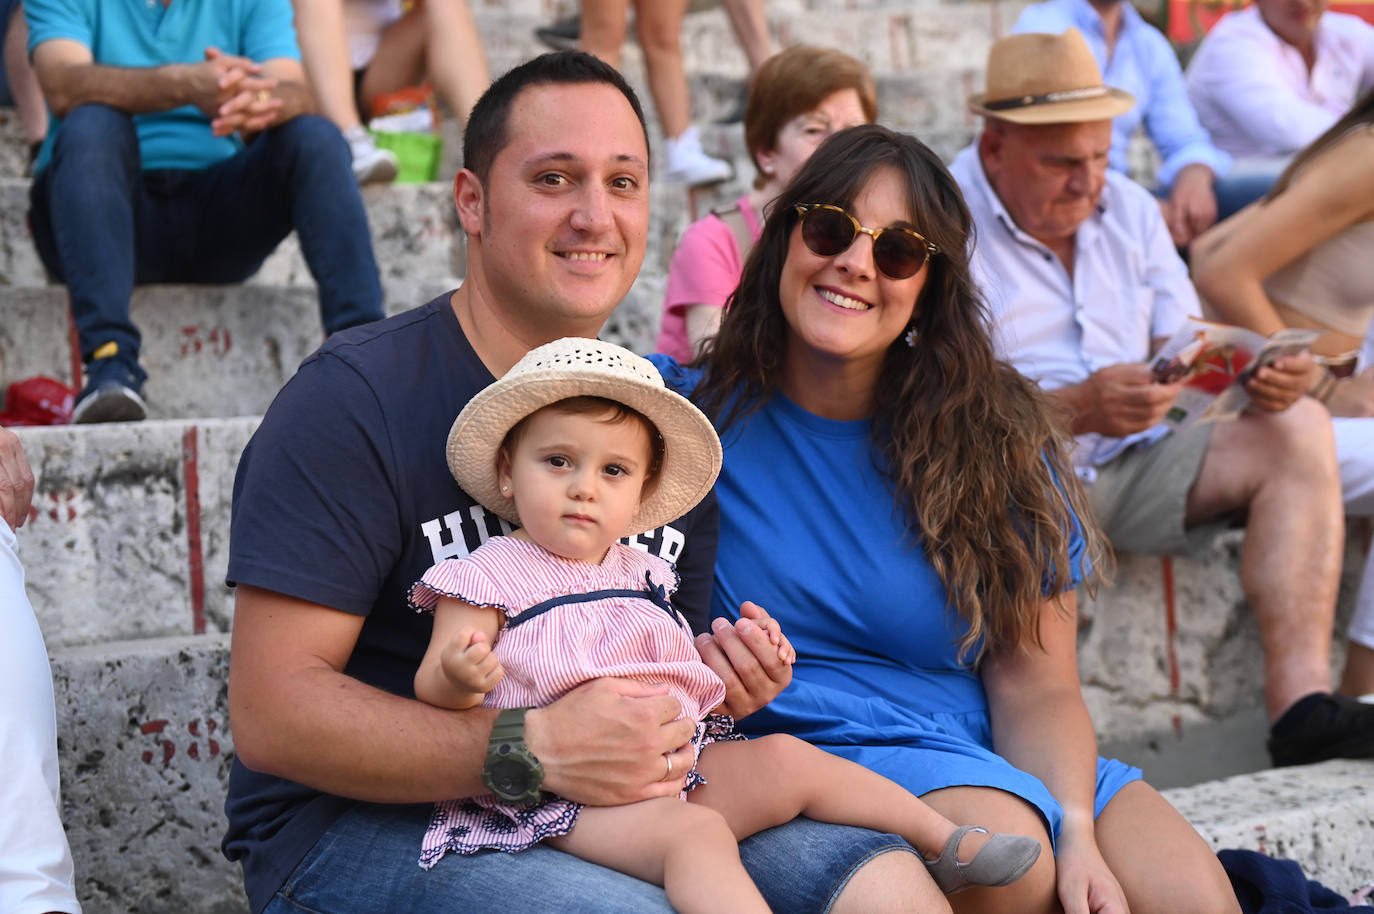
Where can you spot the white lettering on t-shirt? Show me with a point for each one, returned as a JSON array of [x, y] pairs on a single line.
[[462, 537], [670, 543]]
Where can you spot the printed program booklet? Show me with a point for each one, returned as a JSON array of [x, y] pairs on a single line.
[[1214, 361]]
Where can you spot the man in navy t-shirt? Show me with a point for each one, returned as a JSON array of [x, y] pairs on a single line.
[[343, 499]]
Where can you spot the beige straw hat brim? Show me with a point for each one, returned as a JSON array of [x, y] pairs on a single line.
[[577, 367], [1044, 78], [1110, 104]]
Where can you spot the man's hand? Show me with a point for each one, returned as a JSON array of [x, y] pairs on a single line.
[[1354, 396], [1119, 400], [1192, 205], [1278, 385], [604, 743], [16, 480], [245, 101], [752, 657]]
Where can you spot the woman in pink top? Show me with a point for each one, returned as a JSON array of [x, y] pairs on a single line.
[[798, 98]]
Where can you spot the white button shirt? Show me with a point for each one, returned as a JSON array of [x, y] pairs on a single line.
[[1254, 94], [1129, 286]]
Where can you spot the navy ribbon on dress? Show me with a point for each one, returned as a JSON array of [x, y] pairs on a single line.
[[656, 594]]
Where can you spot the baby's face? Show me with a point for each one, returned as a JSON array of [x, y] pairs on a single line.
[[577, 481]]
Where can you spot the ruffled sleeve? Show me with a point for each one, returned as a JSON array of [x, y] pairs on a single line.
[[461, 579]]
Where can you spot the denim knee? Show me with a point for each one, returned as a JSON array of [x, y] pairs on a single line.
[[309, 140], [97, 138]]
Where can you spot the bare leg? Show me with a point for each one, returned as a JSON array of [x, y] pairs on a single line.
[[454, 58], [324, 53], [28, 97], [1358, 678], [399, 61], [805, 780], [1283, 466], [603, 28], [659, 26], [999, 811], [750, 21], [687, 849], [1142, 837]]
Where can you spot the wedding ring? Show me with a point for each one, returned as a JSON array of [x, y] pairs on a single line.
[[667, 757], [264, 95]]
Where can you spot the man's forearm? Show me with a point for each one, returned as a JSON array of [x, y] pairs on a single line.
[[135, 90], [336, 734]]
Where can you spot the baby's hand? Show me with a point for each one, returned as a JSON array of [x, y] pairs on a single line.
[[469, 664], [773, 629]]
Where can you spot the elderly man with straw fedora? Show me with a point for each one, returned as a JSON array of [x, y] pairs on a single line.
[[1083, 283]]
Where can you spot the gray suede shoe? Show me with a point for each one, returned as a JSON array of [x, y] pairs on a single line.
[[1002, 861]]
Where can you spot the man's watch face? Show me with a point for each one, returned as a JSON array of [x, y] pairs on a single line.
[[511, 777]]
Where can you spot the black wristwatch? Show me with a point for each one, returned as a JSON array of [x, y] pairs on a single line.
[[511, 770]]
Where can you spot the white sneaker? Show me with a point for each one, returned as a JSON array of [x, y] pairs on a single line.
[[369, 163], [689, 164]]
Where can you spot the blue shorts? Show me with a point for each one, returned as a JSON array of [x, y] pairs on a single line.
[[366, 862]]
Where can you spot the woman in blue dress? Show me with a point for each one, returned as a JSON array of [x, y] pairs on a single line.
[[902, 502]]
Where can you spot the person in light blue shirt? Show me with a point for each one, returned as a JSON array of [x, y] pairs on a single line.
[[1135, 56], [182, 149], [1083, 285]]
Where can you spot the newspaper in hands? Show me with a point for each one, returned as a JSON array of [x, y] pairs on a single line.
[[1214, 361]]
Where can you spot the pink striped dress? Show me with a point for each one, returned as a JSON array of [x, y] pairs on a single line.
[[548, 654]]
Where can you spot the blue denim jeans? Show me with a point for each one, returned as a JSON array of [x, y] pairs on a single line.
[[368, 861], [102, 224]]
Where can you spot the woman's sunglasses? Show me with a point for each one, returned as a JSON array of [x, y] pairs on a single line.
[[898, 253]]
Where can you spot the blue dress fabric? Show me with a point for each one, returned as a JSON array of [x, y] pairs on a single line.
[[809, 530]]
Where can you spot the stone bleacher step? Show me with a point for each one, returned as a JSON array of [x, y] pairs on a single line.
[[1322, 816], [208, 350], [128, 537], [145, 751]]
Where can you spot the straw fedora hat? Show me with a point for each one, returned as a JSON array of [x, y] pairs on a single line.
[[578, 367], [1037, 78]]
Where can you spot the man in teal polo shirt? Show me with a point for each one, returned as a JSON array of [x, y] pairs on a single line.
[[182, 150]]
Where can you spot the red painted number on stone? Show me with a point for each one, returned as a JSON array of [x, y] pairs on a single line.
[[194, 340], [193, 751], [59, 501]]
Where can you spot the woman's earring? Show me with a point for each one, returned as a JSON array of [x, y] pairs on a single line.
[[505, 490], [911, 337]]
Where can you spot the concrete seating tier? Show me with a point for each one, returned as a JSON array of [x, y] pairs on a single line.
[[126, 552]]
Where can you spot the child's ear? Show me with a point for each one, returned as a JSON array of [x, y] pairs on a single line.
[[503, 474]]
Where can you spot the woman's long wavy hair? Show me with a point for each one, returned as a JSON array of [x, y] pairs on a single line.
[[978, 465]]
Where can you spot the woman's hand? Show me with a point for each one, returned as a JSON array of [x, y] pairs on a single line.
[[1085, 883], [752, 657], [1278, 385]]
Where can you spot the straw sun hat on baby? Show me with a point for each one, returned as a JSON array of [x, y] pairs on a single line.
[[578, 367]]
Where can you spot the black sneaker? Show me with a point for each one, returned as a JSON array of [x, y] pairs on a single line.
[[736, 113], [113, 392], [563, 35], [1322, 726]]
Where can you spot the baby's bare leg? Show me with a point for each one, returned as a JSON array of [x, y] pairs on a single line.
[[758, 783], [689, 850]]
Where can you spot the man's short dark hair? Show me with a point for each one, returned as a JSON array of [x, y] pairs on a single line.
[[486, 132]]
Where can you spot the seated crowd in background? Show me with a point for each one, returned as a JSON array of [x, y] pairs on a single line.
[[147, 175], [1083, 283], [356, 51], [1269, 79]]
